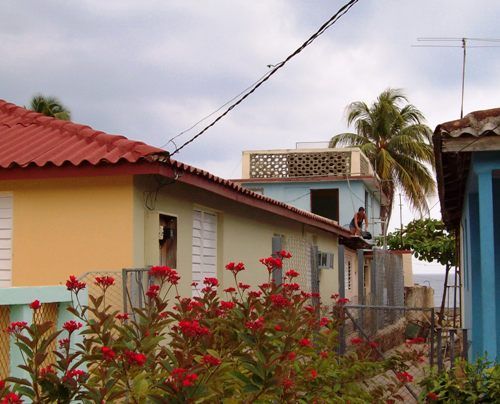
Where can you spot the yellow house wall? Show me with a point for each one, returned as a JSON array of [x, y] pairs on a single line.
[[70, 226], [244, 233]]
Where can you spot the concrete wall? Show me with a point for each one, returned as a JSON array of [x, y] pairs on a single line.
[[244, 233], [351, 197], [69, 226]]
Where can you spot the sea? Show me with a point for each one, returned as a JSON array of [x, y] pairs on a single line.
[[436, 282]]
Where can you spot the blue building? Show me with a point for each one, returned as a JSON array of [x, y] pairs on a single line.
[[468, 173], [332, 183]]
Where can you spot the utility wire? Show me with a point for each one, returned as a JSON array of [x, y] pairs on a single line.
[[343, 10], [171, 140]]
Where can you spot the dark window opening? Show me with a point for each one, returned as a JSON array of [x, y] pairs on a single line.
[[167, 237], [325, 202]]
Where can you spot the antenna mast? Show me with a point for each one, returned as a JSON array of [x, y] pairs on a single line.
[[462, 43]]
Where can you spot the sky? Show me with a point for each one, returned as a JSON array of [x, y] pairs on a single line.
[[148, 69]]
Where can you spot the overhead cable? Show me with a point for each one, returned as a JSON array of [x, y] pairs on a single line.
[[332, 20]]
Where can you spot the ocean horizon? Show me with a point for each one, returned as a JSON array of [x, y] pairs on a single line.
[[435, 280]]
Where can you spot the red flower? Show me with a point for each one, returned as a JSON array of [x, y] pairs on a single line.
[[72, 326], [165, 273], [291, 286], [75, 374], [323, 322], [314, 374], [189, 379], [47, 370], [292, 273], [235, 268], [287, 383], [74, 285], [305, 342], [135, 358], [243, 286], [11, 398], [310, 309], [211, 360], [193, 328], [277, 327], [16, 327], [122, 316], [35, 304], [280, 301], [153, 291], [107, 353], [63, 343], [2, 384], [356, 341], [291, 356], [417, 340], [373, 344], [335, 296], [323, 354], [265, 286], [343, 300], [212, 282], [255, 325], [226, 305], [284, 254], [404, 377], [230, 290], [431, 396], [271, 263], [104, 281], [255, 294]]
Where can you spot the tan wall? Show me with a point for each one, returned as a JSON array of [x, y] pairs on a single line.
[[69, 226], [244, 233], [407, 269]]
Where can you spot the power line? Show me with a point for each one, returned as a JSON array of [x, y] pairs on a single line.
[[343, 10], [171, 140]]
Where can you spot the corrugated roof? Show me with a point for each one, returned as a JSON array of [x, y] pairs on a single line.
[[29, 138], [452, 168], [477, 123]]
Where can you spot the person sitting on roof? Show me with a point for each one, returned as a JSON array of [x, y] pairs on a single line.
[[357, 222]]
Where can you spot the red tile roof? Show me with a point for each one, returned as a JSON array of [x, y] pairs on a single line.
[[29, 138]]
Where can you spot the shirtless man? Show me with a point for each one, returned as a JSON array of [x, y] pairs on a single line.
[[357, 222]]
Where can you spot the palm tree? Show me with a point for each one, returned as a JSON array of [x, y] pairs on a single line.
[[392, 134], [50, 106]]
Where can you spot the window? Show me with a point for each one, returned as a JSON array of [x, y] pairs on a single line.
[[204, 248], [167, 236], [325, 260], [325, 202]]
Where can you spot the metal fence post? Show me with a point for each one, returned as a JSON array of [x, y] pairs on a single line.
[[465, 342], [440, 349], [433, 335], [452, 347], [361, 285], [341, 251]]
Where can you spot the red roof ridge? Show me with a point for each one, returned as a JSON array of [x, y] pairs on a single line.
[[85, 143]]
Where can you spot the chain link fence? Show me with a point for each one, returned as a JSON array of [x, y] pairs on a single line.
[[390, 328], [300, 261]]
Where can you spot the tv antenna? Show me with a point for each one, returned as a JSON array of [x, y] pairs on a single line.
[[447, 42]]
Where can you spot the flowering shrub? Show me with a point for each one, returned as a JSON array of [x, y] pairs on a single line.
[[271, 344], [466, 383]]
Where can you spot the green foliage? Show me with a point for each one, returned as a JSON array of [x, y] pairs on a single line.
[[477, 382], [50, 106], [273, 344], [392, 134], [428, 239]]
